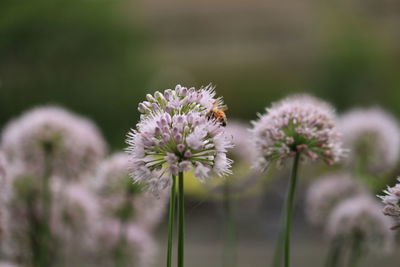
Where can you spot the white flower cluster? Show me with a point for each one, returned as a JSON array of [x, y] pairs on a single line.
[[372, 135], [326, 192], [178, 139], [299, 123], [361, 215], [53, 138]]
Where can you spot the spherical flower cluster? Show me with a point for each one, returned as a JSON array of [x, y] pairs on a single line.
[[164, 145], [138, 245], [299, 123], [124, 200], [51, 139], [392, 201], [372, 135], [181, 100], [362, 216], [326, 192], [243, 149]]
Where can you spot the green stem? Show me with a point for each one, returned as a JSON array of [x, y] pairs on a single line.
[[289, 210], [171, 220], [334, 253], [181, 230], [356, 250], [229, 231]]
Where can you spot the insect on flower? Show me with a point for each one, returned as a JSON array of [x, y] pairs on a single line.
[[217, 112]]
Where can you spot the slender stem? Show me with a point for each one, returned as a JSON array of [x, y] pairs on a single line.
[[334, 253], [356, 250], [289, 209], [172, 204], [181, 230], [229, 231]]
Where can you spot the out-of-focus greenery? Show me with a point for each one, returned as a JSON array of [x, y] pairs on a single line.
[[79, 53]]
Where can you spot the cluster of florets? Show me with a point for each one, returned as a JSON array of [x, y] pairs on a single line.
[[243, 149], [392, 201], [178, 139], [123, 199], [180, 100], [51, 139], [325, 193], [297, 124], [361, 216], [373, 137]]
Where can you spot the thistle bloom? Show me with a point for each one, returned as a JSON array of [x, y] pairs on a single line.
[[124, 200], [361, 216], [299, 123], [52, 139], [164, 145], [392, 201], [373, 136], [326, 192]]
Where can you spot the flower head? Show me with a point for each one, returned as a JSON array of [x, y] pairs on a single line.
[[299, 123], [180, 100], [392, 201], [53, 139], [139, 248], [373, 137], [326, 192], [361, 216], [165, 144], [243, 149], [125, 200]]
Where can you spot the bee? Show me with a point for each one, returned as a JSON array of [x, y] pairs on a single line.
[[216, 112]]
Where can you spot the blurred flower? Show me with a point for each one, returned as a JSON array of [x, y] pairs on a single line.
[[372, 135], [125, 200], [362, 216], [391, 201], [7, 264], [326, 192], [75, 217], [164, 145], [51, 139], [181, 100], [243, 149], [299, 123], [135, 244], [2, 168]]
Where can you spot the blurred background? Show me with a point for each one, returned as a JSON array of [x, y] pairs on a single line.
[[99, 58]]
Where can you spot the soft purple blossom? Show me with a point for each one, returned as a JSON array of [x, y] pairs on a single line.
[[243, 149], [299, 123], [116, 191], [164, 145], [139, 247], [180, 100], [391, 200], [361, 215], [326, 192], [373, 137], [52, 139]]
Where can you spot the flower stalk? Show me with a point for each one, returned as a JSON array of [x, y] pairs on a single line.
[[289, 210], [181, 230], [172, 205]]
